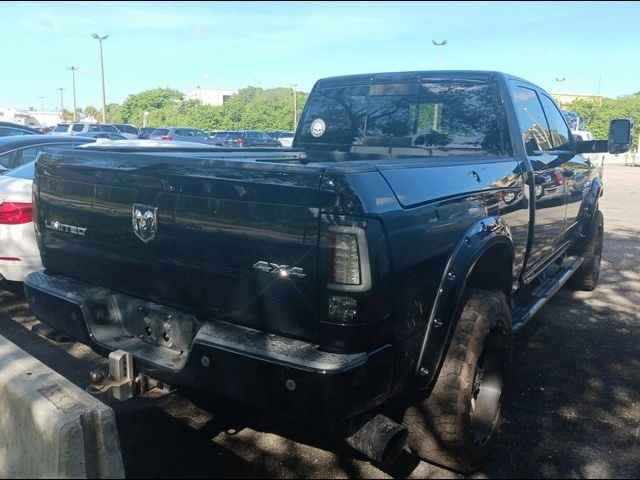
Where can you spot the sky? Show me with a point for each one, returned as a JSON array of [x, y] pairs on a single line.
[[231, 45]]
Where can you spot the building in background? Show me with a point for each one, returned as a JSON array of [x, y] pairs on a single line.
[[210, 96], [30, 118]]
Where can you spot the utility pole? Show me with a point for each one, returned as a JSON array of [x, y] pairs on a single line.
[[73, 75], [435, 107], [61, 100], [438, 44], [295, 106], [104, 101]]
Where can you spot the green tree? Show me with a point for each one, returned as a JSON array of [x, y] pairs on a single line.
[[91, 111], [66, 115], [133, 108], [598, 113]]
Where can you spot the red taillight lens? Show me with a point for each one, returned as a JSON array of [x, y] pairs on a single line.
[[240, 140], [167, 137], [559, 179], [12, 213]]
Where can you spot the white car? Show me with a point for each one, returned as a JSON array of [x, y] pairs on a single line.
[[19, 254], [286, 139]]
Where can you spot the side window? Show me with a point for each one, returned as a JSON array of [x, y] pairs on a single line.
[[78, 127], [10, 131], [557, 125], [30, 154], [533, 124], [10, 160]]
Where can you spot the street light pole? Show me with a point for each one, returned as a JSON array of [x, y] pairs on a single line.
[[560, 80], [295, 106], [435, 107], [41, 103], [73, 75], [104, 101], [61, 100], [438, 44]]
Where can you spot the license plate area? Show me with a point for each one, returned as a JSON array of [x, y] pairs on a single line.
[[167, 328], [157, 334]]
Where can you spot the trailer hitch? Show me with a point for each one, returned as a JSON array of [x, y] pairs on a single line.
[[122, 383]]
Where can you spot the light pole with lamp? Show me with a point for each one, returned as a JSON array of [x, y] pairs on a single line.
[[295, 106], [435, 107], [104, 101], [61, 100], [560, 80], [438, 44], [73, 75]]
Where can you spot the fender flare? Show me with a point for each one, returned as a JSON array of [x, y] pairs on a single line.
[[478, 239], [590, 206]]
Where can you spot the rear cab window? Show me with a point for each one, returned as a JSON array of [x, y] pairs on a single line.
[[433, 117]]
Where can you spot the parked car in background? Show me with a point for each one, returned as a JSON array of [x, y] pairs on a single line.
[[129, 131], [109, 135], [184, 134], [252, 138], [144, 132], [19, 253], [285, 139], [217, 137], [60, 129], [10, 128], [80, 128], [18, 150]]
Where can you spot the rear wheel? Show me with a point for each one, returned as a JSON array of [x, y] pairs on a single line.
[[587, 276], [457, 424]]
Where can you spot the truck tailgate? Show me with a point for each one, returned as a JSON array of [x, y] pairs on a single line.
[[235, 240]]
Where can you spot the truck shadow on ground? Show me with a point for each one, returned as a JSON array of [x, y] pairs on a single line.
[[575, 387]]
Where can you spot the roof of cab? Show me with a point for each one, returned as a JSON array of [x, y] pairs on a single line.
[[408, 77]]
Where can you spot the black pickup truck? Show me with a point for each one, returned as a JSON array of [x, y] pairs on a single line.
[[381, 265]]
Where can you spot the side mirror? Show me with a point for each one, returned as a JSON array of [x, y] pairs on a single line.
[[620, 136]]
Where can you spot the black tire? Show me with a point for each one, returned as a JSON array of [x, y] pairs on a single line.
[[587, 276], [457, 424]]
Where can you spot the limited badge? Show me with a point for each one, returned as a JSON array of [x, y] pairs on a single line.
[[318, 127], [144, 221]]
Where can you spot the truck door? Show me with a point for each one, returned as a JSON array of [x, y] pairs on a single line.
[[543, 133]]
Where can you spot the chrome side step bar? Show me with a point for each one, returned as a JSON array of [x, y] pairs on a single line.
[[522, 315]]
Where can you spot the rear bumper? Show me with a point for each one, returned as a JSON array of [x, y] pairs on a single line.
[[237, 362]]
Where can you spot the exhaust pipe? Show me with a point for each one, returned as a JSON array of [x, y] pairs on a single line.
[[379, 438]]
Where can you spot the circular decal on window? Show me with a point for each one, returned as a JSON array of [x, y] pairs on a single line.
[[318, 127]]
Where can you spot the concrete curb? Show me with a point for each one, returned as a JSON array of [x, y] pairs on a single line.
[[50, 428]]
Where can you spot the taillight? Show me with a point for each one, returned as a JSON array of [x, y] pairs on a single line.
[[13, 213], [241, 141], [166, 137], [348, 267], [559, 179]]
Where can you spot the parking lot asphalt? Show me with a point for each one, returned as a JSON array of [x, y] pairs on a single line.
[[573, 408]]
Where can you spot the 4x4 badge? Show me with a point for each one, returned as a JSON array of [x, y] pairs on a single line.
[[144, 219]]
